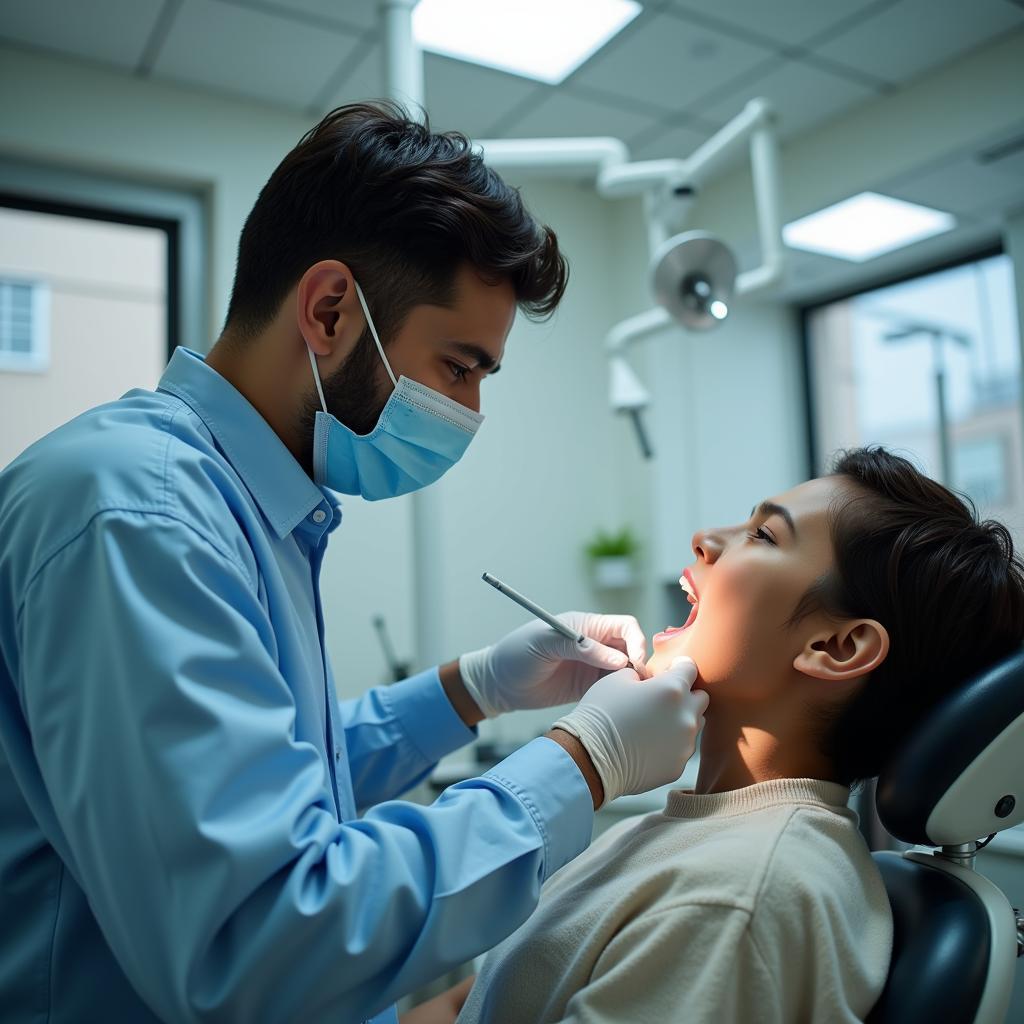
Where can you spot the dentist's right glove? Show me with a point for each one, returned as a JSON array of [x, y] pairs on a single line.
[[639, 732]]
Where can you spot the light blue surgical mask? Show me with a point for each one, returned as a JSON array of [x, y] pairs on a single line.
[[419, 436]]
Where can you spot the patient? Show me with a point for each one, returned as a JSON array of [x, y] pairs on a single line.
[[823, 629]]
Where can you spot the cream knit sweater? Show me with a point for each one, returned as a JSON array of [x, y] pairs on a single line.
[[754, 906]]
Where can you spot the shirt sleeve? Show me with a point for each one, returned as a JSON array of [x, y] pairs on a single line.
[[696, 963], [204, 834], [396, 734]]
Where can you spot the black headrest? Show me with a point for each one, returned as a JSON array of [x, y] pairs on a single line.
[[961, 775]]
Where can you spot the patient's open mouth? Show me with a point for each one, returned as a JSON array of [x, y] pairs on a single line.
[[690, 589]]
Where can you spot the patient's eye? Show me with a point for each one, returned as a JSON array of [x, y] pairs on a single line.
[[761, 534]]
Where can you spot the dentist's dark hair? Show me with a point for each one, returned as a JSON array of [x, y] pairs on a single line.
[[948, 588], [401, 205]]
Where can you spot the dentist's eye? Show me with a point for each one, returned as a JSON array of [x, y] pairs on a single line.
[[459, 372], [761, 534]]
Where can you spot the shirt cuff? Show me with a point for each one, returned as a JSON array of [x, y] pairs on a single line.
[[420, 705], [549, 783]]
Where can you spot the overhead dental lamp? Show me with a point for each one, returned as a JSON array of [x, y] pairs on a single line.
[[693, 276]]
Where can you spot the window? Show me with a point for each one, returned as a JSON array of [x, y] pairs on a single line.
[[99, 280], [930, 367], [24, 325]]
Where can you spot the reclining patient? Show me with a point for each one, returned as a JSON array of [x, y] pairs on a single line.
[[823, 629]]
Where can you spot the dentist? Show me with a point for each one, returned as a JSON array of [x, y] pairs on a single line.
[[192, 827]]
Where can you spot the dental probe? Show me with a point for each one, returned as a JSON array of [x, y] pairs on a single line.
[[533, 609]]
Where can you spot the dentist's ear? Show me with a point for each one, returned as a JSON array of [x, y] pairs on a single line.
[[321, 306], [844, 650]]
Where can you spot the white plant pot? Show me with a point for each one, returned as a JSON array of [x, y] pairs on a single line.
[[614, 572]]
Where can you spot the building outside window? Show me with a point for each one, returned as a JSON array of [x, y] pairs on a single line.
[[24, 325], [100, 278], [83, 318], [930, 367]]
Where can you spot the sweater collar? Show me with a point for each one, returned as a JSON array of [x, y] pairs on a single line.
[[815, 792]]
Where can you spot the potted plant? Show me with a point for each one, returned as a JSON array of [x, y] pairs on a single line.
[[613, 557]]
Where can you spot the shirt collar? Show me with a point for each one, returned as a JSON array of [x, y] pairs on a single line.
[[280, 486]]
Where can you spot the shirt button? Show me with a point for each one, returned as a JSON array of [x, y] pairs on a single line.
[[319, 516], [337, 755]]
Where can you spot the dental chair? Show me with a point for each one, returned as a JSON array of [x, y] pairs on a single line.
[[960, 779]]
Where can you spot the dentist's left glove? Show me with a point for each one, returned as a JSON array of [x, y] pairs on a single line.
[[535, 667]]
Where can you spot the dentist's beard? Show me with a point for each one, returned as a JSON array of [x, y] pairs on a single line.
[[355, 393]]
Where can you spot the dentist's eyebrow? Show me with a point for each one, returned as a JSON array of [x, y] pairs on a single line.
[[483, 358], [769, 508]]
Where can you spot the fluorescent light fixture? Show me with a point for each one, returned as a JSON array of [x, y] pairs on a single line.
[[865, 226], [542, 39]]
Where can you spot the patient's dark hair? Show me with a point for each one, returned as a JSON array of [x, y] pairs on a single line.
[[401, 205], [947, 587]]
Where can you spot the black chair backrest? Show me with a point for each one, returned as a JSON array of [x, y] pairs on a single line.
[[941, 946], [960, 776]]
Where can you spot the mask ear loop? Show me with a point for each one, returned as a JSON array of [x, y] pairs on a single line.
[[316, 377], [373, 331]]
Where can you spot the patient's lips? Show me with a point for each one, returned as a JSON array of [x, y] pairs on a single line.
[[690, 588]]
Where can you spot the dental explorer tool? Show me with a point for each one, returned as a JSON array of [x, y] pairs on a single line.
[[533, 609]]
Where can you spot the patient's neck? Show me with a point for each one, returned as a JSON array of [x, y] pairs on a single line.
[[739, 748]]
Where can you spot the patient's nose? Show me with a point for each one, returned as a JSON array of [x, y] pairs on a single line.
[[707, 545]]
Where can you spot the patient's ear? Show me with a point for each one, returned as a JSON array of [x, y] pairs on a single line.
[[844, 650]]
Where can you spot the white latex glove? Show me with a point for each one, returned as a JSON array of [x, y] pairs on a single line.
[[639, 732], [536, 667]]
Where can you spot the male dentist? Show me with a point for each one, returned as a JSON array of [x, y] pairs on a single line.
[[180, 790]]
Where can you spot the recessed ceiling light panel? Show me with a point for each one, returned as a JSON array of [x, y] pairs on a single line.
[[865, 226], [542, 39]]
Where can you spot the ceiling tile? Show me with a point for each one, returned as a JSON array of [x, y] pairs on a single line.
[[802, 96], [674, 142], [963, 185], [562, 114], [470, 98], [349, 15], [787, 22], [83, 30], [670, 62], [360, 77], [906, 40], [230, 48], [458, 96]]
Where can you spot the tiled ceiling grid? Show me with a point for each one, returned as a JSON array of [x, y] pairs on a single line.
[[680, 70]]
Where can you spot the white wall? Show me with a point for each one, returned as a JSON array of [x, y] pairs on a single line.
[[729, 416]]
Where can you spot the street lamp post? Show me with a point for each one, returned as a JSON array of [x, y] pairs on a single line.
[[936, 334]]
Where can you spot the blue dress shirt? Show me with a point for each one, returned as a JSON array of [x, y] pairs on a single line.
[[179, 786]]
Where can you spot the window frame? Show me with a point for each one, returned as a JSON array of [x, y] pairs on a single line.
[[180, 213]]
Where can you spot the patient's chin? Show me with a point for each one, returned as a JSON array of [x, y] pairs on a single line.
[[665, 653]]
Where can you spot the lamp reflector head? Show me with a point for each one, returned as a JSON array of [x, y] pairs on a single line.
[[692, 277]]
